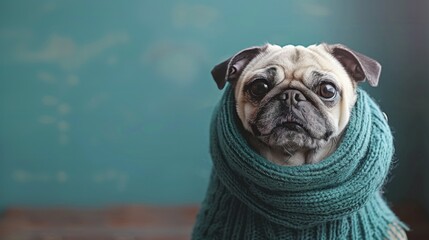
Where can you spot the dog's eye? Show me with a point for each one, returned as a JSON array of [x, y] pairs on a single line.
[[259, 88], [328, 91]]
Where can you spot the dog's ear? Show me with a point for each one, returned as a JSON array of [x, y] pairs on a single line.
[[357, 65], [231, 69]]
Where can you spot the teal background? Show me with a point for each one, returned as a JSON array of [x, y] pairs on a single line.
[[109, 102]]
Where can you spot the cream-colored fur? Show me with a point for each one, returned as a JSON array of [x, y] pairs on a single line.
[[291, 72]]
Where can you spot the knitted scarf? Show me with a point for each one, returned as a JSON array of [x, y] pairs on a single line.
[[338, 198]]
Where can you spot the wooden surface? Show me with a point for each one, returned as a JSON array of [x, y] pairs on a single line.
[[136, 223], [120, 223]]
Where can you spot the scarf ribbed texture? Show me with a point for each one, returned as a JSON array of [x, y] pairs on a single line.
[[338, 198]]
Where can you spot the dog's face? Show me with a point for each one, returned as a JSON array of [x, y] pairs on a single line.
[[294, 102]]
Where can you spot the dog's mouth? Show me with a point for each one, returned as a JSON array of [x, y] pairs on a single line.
[[284, 126], [295, 126]]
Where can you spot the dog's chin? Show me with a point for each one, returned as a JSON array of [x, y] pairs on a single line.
[[291, 138]]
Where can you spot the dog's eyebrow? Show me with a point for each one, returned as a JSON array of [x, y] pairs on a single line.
[[271, 73], [259, 75], [268, 74], [318, 75]]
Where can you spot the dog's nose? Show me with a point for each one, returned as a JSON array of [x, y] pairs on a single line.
[[292, 96]]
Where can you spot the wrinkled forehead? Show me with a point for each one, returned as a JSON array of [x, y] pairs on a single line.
[[295, 60]]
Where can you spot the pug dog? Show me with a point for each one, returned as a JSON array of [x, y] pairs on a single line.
[[294, 102]]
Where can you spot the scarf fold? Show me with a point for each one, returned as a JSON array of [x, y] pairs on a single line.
[[338, 198]]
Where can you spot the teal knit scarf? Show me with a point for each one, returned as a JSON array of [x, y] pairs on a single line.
[[339, 198]]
